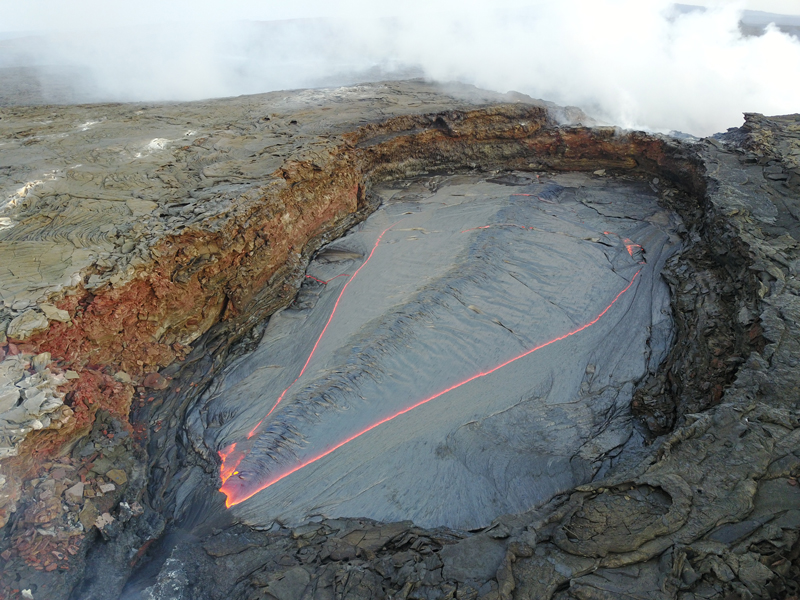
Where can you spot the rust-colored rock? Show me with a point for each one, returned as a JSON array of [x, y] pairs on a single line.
[[154, 381]]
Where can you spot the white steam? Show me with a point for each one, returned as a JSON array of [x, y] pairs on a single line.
[[635, 63]]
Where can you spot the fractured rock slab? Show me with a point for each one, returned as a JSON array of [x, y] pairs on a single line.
[[53, 313], [27, 402], [118, 476], [28, 323], [75, 493]]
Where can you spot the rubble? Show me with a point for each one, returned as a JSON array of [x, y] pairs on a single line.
[[117, 476], [28, 400], [25, 325]]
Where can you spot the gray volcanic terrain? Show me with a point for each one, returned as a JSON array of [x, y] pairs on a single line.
[[396, 340], [468, 275]]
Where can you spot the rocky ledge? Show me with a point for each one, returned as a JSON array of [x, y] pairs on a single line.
[[143, 244]]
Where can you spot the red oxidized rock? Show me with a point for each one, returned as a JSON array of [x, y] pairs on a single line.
[[155, 381]]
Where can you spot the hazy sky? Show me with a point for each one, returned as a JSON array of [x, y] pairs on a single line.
[[786, 7], [31, 15], [634, 63]]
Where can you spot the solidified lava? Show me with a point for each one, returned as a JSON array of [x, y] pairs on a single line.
[[547, 307], [236, 216]]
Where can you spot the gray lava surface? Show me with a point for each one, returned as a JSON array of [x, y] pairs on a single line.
[[469, 273]]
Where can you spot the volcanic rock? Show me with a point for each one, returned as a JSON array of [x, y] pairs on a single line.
[[39, 395], [75, 493], [88, 516], [117, 476], [8, 398], [155, 381], [27, 324], [189, 225], [40, 361], [123, 377], [475, 558], [291, 584], [53, 313]]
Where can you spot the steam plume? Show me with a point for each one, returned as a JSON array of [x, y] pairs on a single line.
[[627, 62]]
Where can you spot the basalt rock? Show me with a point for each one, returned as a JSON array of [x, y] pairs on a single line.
[[183, 227]]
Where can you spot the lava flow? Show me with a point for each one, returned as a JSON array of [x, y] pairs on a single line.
[[324, 329], [236, 493]]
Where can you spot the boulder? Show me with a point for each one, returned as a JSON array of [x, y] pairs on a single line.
[[475, 558]]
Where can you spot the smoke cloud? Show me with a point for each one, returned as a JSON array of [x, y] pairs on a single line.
[[651, 65]]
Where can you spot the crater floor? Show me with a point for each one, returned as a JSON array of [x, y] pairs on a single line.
[[470, 350]]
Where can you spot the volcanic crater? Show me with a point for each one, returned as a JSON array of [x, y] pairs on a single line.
[[435, 342]]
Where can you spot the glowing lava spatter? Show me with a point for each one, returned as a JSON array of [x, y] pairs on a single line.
[[235, 495], [225, 469], [324, 329], [633, 248]]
